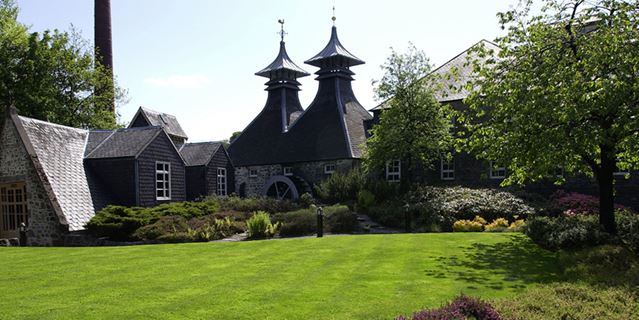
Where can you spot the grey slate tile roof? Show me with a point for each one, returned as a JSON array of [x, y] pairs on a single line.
[[60, 151], [164, 120], [282, 63], [334, 50], [199, 154], [452, 88], [122, 143]]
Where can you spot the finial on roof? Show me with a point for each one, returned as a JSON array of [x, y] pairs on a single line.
[[282, 32], [333, 18]]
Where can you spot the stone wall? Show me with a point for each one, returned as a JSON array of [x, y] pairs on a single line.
[[16, 166], [311, 172]]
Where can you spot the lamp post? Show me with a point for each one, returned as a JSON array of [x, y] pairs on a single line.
[[23, 234], [320, 222]]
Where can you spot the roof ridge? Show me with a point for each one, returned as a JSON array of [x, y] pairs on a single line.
[[52, 124]]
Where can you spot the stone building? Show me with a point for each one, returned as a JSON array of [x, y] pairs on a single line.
[[286, 149], [465, 169], [54, 178]]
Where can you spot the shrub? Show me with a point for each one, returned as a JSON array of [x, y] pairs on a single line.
[[339, 219], [465, 203], [117, 222], [340, 187], [628, 230], [467, 226], [498, 225], [389, 214], [306, 200], [517, 226], [566, 232], [365, 199], [163, 226], [462, 307], [297, 223], [260, 226], [573, 203], [269, 205], [177, 237], [480, 220]]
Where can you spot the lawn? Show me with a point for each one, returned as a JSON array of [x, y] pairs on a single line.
[[338, 277]]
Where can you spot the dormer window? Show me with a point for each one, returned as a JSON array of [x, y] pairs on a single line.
[[252, 173]]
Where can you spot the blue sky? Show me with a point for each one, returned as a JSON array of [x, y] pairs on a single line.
[[196, 59]]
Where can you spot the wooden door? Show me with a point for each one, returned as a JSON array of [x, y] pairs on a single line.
[[13, 209]]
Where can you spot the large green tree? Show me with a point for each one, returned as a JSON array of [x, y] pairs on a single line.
[[562, 93], [52, 75], [414, 127]]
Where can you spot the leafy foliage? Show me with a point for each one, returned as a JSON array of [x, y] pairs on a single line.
[[340, 187], [414, 127], [337, 219], [565, 232], [260, 226], [52, 76], [563, 91]]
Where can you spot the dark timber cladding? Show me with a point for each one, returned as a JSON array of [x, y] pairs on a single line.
[[202, 161], [262, 141]]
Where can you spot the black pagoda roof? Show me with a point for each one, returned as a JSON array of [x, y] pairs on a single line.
[[281, 65], [334, 51]]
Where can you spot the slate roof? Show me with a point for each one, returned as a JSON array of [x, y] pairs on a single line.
[[334, 50], [164, 120], [452, 88], [282, 64], [199, 154], [121, 143], [60, 150]]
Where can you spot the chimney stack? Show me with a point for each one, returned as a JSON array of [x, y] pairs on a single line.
[[102, 37]]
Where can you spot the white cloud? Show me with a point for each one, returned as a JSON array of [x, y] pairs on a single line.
[[195, 81]]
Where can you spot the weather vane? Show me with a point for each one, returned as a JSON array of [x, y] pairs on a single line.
[[282, 33], [333, 18]]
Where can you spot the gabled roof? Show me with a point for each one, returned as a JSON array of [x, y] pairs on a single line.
[[199, 154], [57, 152], [334, 50], [121, 143], [451, 88], [164, 120], [283, 64]]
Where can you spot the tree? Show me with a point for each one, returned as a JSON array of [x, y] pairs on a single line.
[[52, 76], [414, 127], [563, 92], [234, 135]]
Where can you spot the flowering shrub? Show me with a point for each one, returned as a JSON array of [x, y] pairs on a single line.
[[498, 225], [467, 226], [572, 203], [462, 307], [465, 203], [517, 226]]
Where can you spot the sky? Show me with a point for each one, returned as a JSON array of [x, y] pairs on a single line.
[[196, 59]]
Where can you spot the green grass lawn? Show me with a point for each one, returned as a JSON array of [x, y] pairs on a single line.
[[339, 277]]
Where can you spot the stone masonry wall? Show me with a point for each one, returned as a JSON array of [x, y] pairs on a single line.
[[311, 172], [16, 166]]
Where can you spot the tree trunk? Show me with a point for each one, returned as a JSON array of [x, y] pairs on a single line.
[[605, 179]]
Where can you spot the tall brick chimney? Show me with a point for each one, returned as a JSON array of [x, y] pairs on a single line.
[[102, 37]]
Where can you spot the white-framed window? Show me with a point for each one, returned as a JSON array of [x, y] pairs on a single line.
[[329, 168], [393, 171], [497, 170], [221, 181], [447, 168], [162, 180], [288, 171], [252, 173]]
